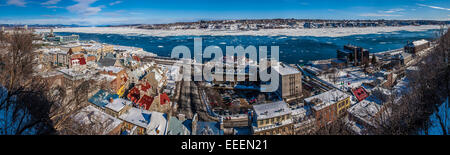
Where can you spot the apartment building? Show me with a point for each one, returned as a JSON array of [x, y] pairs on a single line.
[[329, 106], [272, 119]]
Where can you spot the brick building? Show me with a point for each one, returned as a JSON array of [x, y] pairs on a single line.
[[329, 106]]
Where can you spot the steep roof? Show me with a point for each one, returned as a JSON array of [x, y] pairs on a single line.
[[146, 101], [105, 62], [178, 127]]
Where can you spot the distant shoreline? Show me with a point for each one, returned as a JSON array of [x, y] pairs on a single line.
[[318, 32]]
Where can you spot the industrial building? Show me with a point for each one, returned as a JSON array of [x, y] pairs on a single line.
[[417, 46], [290, 87], [355, 55]]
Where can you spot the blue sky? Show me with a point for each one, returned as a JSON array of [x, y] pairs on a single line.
[[102, 12]]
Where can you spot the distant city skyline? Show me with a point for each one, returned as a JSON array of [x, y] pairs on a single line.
[[117, 12]]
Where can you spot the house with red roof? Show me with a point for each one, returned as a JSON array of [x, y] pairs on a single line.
[[161, 103], [145, 102], [77, 62], [164, 99], [138, 91]]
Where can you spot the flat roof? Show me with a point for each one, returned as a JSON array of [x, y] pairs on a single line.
[[420, 42], [327, 98], [284, 69], [118, 104], [101, 98], [270, 110]]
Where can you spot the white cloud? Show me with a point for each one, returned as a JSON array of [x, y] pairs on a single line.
[[51, 2], [378, 15], [20, 3], [114, 3], [53, 7], [434, 7], [83, 7], [384, 13], [393, 10]]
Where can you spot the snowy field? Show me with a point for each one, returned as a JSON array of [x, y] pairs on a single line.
[[322, 32]]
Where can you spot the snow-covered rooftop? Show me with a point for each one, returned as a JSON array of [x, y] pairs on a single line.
[[284, 69], [112, 69], [137, 117], [270, 110], [365, 111], [420, 42], [97, 119], [158, 124], [327, 98], [118, 104]]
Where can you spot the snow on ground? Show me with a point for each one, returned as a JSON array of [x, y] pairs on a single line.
[[322, 32], [444, 113]]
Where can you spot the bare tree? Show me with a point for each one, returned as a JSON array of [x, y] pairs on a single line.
[[23, 106], [30, 104]]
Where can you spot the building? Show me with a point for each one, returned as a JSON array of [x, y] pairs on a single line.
[[98, 49], [206, 128], [290, 86], [304, 123], [272, 119], [143, 122], [145, 102], [355, 55], [117, 106], [102, 98], [161, 103], [179, 126], [405, 57], [360, 93], [58, 57], [91, 58], [368, 113], [64, 39], [329, 106], [118, 74], [417, 46], [98, 122]]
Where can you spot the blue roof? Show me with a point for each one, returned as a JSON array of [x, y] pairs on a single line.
[[101, 98]]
